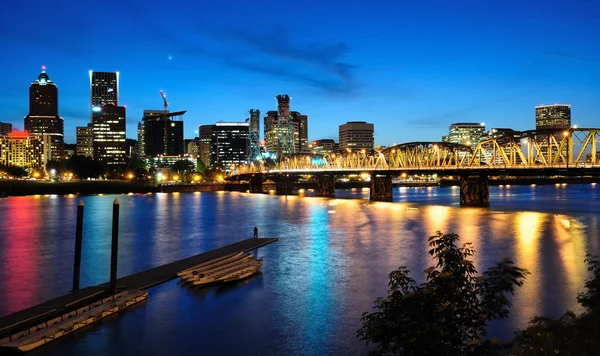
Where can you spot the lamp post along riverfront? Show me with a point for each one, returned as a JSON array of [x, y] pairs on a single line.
[[78, 243], [114, 247]]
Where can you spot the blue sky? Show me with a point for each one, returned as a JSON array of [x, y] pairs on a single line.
[[410, 67]]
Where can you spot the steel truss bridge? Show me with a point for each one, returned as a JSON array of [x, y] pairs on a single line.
[[525, 151]]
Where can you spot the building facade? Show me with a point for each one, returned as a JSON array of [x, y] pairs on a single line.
[[85, 140], [104, 88], [162, 135], [325, 146], [20, 149], [5, 128], [229, 144], [108, 129], [357, 135], [273, 132], [555, 116], [43, 118], [204, 143], [465, 133]]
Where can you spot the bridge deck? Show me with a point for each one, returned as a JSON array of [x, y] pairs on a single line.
[[142, 280]]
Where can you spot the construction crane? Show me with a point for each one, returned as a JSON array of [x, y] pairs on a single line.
[[163, 95]]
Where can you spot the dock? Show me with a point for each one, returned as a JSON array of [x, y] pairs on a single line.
[[48, 310]]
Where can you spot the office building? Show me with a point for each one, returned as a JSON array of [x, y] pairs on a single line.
[[104, 88], [204, 143], [141, 147], [325, 146], [357, 135], [20, 149], [273, 132], [163, 133], [254, 135], [191, 147], [465, 133], [5, 128], [85, 140], [229, 144], [108, 129], [43, 116], [553, 117]]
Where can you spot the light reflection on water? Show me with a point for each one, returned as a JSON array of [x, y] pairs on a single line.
[[316, 281]]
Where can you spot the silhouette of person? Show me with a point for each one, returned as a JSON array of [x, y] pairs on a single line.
[[255, 232]]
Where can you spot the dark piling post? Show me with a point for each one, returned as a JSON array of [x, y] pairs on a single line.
[[78, 242], [114, 247]]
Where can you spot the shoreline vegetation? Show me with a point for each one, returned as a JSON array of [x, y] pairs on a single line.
[[447, 315]]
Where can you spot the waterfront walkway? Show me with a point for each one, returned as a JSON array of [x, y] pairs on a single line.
[[142, 280]]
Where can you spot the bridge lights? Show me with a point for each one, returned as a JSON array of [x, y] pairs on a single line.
[[435, 147], [566, 133]]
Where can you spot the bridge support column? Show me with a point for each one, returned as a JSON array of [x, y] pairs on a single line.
[[326, 186], [284, 185], [474, 191], [256, 183], [381, 188]]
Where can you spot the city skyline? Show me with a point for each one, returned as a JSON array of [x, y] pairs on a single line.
[[425, 73]]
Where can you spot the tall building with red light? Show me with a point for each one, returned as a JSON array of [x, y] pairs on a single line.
[[43, 118]]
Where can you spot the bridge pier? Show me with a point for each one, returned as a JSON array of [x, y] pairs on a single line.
[[256, 183], [284, 185], [381, 188], [474, 191], [326, 186]]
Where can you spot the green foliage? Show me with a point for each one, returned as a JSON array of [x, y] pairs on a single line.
[[16, 172], [141, 174], [200, 166], [85, 167], [570, 334], [446, 315], [182, 166], [58, 166]]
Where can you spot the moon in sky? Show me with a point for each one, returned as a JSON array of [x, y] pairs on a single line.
[[170, 57]]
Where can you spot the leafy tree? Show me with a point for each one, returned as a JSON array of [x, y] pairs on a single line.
[[200, 166], [183, 165], [448, 313], [85, 167], [16, 172], [141, 174], [570, 334], [57, 166]]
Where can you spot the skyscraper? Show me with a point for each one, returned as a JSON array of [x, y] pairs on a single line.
[[20, 149], [104, 88], [357, 135], [108, 125], [229, 144], [254, 135], [272, 133], [162, 134], [204, 144], [555, 116], [300, 123], [43, 116]]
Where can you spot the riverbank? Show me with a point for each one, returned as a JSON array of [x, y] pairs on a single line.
[[21, 187]]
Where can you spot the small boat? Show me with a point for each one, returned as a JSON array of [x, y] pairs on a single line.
[[213, 268], [216, 261], [209, 278], [240, 274], [67, 323]]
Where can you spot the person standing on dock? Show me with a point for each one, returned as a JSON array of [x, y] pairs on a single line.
[[255, 232]]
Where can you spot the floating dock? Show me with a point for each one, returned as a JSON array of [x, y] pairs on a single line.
[[52, 312]]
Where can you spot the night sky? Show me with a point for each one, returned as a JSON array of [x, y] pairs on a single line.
[[410, 67]]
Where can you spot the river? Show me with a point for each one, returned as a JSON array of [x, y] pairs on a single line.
[[331, 261]]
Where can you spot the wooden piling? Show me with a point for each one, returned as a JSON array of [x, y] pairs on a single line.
[[78, 243], [114, 247]]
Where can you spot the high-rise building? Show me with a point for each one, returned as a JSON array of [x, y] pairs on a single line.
[[357, 135], [141, 146], [273, 134], [325, 146], [204, 143], [465, 133], [20, 149], [254, 135], [85, 140], [43, 116], [555, 116], [229, 144], [5, 128], [163, 135], [108, 124], [104, 88], [192, 147]]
